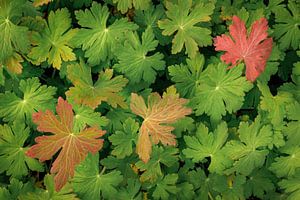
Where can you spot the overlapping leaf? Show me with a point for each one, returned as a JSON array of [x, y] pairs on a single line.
[[96, 37], [152, 170], [288, 163], [250, 152], [66, 193], [134, 59], [85, 92], [206, 144], [274, 105], [156, 113], [14, 39], [124, 5], [73, 146], [186, 77], [89, 183], [166, 187], [53, 43], [220, 91], [123, 139], [34, 97], [286, 29], [182, 21], [12, 151]]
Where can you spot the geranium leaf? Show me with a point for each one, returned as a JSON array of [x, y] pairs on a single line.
[[73, 146], [85, 92], [14, 38], [34, 97], [254, 49], [89, 183], [124, 5], [134, 59], [250, 152], [123, 139], [53, 43], [220, 90], [12, 151], [206, 144], [96, 37], [158, 111], [182, 20]]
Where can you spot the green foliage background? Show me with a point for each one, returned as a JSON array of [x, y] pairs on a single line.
[[241, 142]]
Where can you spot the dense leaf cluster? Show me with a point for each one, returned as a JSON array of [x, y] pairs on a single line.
[[140, 99]]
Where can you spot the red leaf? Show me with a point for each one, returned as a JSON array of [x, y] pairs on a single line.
[[254, 49], [74, 146]]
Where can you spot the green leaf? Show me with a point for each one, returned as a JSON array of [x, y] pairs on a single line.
[[132, 191], [220, 90], [291, 186], [272, 64], [36, 97], [126, 165], [85, 92], [124, 5], [152, 169], [49, 193], [183, 125], [185, 191], [15, 189], [134, 59], [182, 21], [123, 140], [149, 18], [292, 130], [250, 152], [231, 187], [117, 117], [293, 87], [86, 116], [98, 39], [12, 151], [88, 183], [288, 163], [203, 185], [206, 144], [274, 105], [186, 77], [286, 28], [165, 187], [258, 184], [13, 38], [53, 43]]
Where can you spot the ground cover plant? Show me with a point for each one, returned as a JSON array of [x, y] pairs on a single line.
[[140, 99]]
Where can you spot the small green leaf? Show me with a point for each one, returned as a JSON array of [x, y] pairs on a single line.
[[165, 187], [12, 151], [88, 183]]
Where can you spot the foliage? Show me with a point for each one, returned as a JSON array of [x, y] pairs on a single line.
[[140, 99]]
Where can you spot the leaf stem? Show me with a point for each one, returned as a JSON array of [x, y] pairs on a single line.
[[102, 171], [210, 196]]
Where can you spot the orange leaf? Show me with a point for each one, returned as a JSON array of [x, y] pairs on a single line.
[[73, 147], [158, 113]]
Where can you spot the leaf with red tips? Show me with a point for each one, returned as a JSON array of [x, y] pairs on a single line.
[[254, 49], [156, 114], [73, 147]]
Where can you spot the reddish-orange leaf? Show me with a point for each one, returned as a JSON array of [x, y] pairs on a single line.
[[254, 49], [73, 147], [157, 113]]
